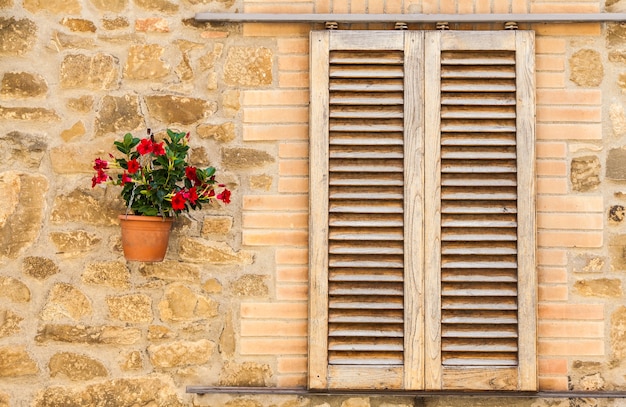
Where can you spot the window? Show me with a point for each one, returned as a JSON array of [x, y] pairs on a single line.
[[422, 231]]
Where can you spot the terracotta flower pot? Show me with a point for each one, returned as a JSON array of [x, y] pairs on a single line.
[[145, 238]]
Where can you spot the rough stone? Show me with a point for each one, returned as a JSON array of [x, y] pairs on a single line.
[[24, 148], [94, 335], [201, 251], [76, 367], [585, 173], [115, 6], [614, 164], [250, 285], [181, 353], [118, 114], [216, 225], [261, 182], [6, 4], [53, 6], [180, 303], [618, 119], [212, 286], [153, 24], [618, 333], [130, 308], [247, 374], [66, 301], [84, 207], [602, 287], [14, 290], [22, 85], [17, 37], [616, 35], [144, 62], [159, 333], [72, 158], [586, 68], [5, 400], [245, 158], [179, 110], [39, 267], [82, 104], [227, 338], [199, 157], [60, 41], [162, 6], [117, 23], [224, 3], [208, 61], [170, 270], [113, 274], [248, 66], [152, 392], [9, 323], [29, 114], [231, 102], [224, 132], [77, 130], [97, 72], [78, 24], [617, 252], [15, 361], [616, 214], [74, 243], [132, 362], [356, 402]]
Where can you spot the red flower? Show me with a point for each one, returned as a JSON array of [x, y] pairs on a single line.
[[99, 178], [190, 173], [157, 149], [126, 178], [145, 146], [100, 165], [193, 195], [133, 166], [224, 196], [178, 201]]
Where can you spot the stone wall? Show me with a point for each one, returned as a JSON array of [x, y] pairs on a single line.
[[81, 326]]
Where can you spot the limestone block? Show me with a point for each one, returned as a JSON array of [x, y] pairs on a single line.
[[9, 323], [39, 267], [76, 367], [172, 109], [81, 104], [22, 85], [216, 225], [142, 391], [144, 62], [231, 102], [14, 290], [170, 270], [618, 119], [152, 24], [585, 173], [261, 182], [223, 3], [77, 242], [113, 274], [181, 353], [78, 25], [356, 402], [616, 35], [17, 37], [94, 335], [15, 361], [248, 66], [5, 400], [116, 23], [41, 114], [85, 207], [53, 6], [212, 286], [217, 253], [586, 68], [245, 158], [24, 148], [159, 333], [199, 157], [617, 252], [250, 285], [223, 133], [601, 287], [246, 374], [66, 301], [118, 114], [180, 303], [5, 4], [77, 130], [130, 308], [60, 41], [615, 168], [162, 6], [131, 362], [97, 72], [114, 6], [618, 333]]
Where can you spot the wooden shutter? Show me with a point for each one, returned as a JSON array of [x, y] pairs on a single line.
[[480, 239], [362, 253]]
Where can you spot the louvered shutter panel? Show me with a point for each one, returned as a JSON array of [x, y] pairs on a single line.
[[359, 335], [480, 140]]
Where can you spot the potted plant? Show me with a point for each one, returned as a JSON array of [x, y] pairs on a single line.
[[157, 184]]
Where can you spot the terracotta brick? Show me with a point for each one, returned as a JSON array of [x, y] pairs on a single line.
[[570, 239], [482, 6], [571, 311], [282, 310], [254, 220], [393, 6], [568, 30], [275, 98], [273, 346], [551, 149], [553, 383], [358, 6], [551, 185], [293, 45], [291, 256], [293, 185], [276, 132], [570, 221], [574, 7], [430, 6], [273, 328], [501, 6], [552, 292], [292, 292], [274, 30], [552, 275], [447, 6], [376, 7], [293, 150], [291, 381], [292, 364], [276, 115], [550, 45], [341, 6], [552, 257], [465, 7], [568, 97], [570, 329], [550, 63], [293, 274], [569, 114], [519, 6], [322, 6], [276, 202], [550, 80], [272, 238], [283, 7], [576, 348], [293, 168], [552, 168], [214, 34], [293, 63], [293, 79], [570, 204], [552, 366]]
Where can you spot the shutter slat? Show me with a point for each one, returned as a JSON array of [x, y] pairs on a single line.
[[376, 193], [464, 303], [480, 331], [351, 152], [366, 274], [365, 58], [345, 206], [352, 247], [366, 330], [369, 220], [360, 139], [365, 358], [389, 85], [373, 234], [366, 99], [478, 99], [478, 139], [351, 71]]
